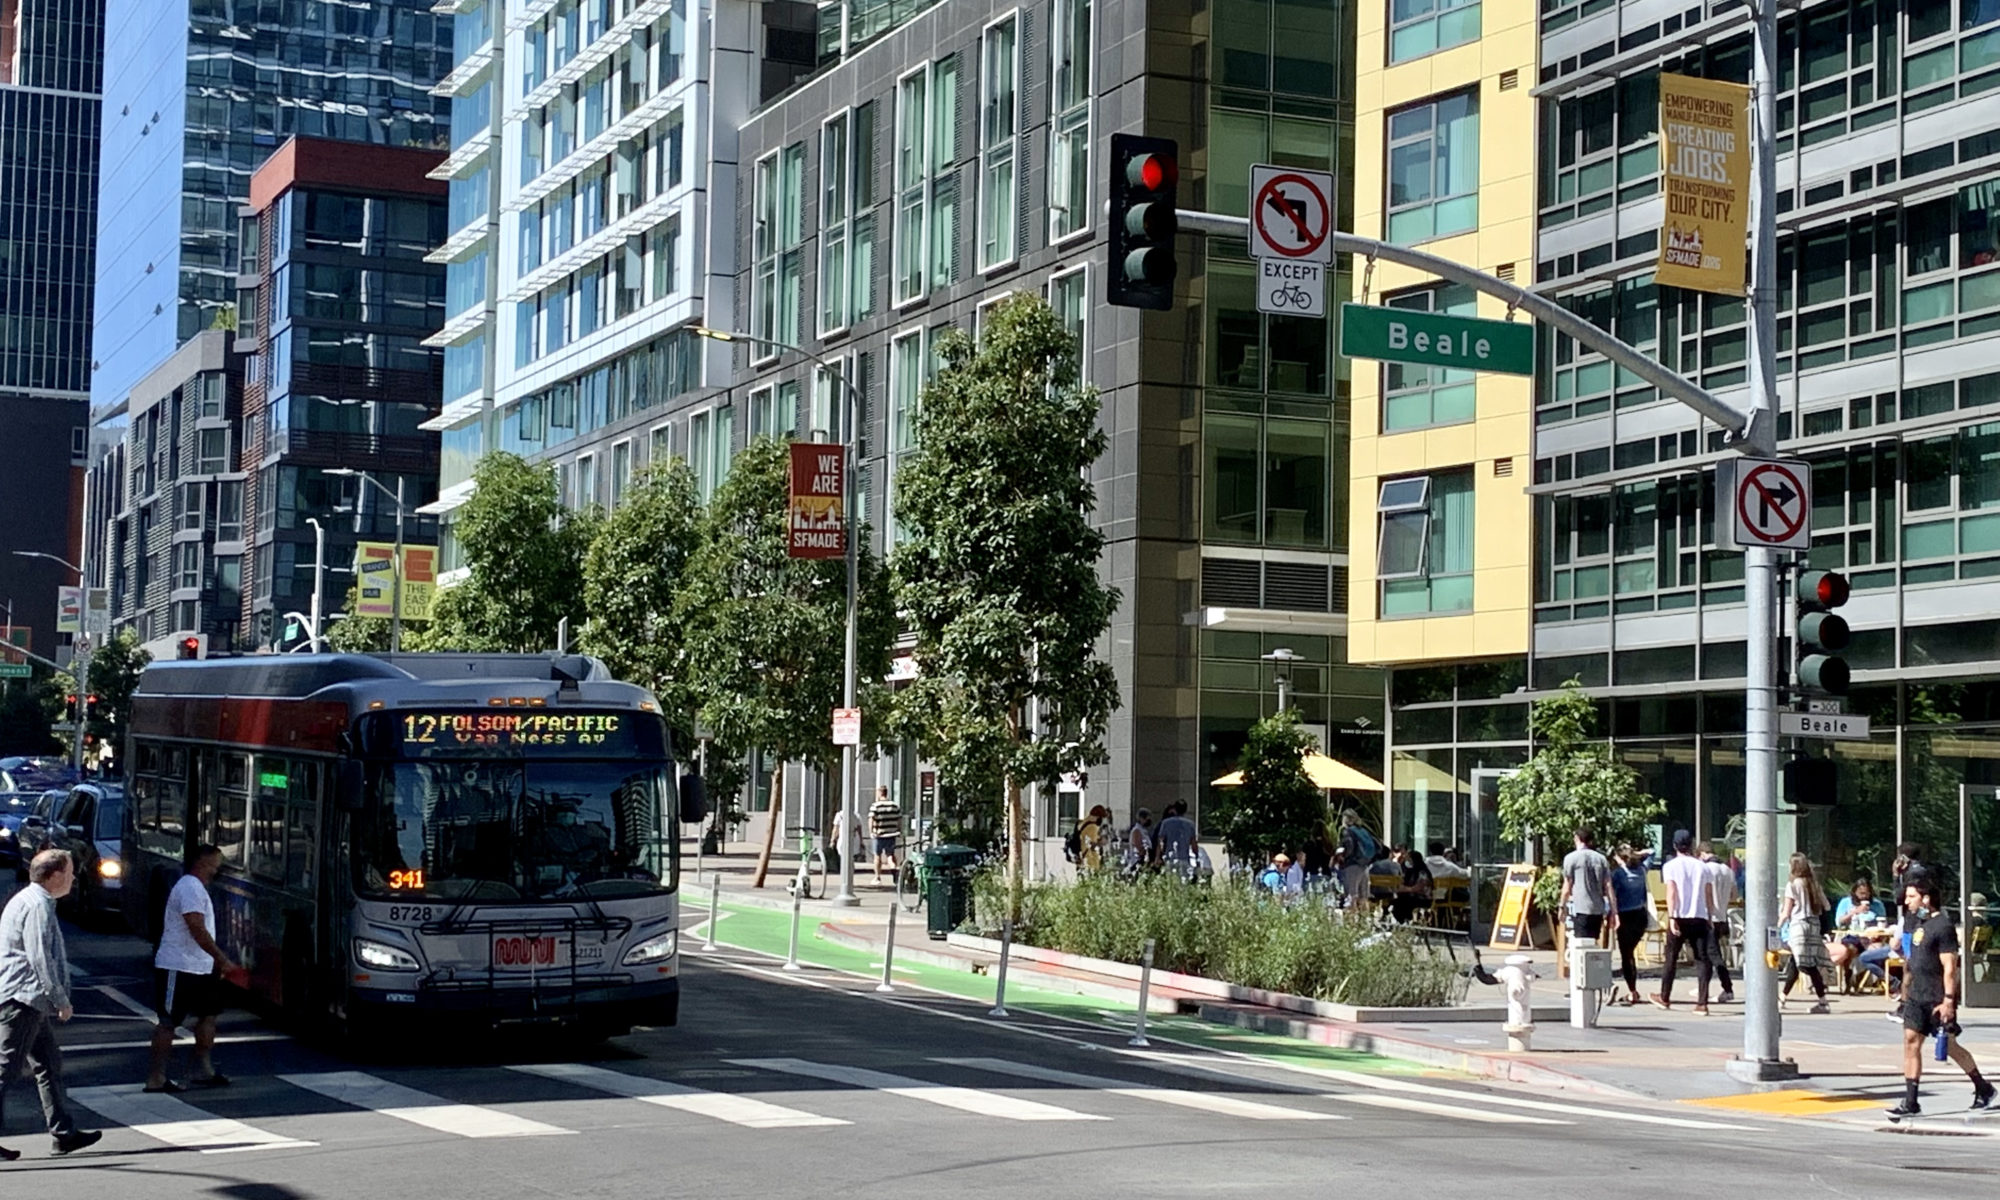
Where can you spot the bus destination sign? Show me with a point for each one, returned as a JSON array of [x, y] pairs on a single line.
[[444, 732]]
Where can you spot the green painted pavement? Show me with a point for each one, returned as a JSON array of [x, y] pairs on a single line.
[[768, 931]]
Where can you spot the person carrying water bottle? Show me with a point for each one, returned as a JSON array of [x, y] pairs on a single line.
[[1930, 996]]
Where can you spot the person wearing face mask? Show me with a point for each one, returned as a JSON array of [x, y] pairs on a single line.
[[1930, 995]]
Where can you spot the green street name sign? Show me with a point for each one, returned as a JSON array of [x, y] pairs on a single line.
[[1437, 340]]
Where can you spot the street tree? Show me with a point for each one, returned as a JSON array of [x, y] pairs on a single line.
[[114, 672], [356, 634], [1277, 807], [524, 553], [633, 575], [1572, 780], [999, 572], [765, 632]]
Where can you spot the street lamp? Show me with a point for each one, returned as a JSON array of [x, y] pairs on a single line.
[[80, 657], [1281, 661], [849, 780], [319, 580], [396, 566]]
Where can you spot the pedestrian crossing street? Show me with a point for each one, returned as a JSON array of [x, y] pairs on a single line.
[[300, 1111]]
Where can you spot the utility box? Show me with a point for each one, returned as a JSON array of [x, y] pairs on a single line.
[[1593, 969]]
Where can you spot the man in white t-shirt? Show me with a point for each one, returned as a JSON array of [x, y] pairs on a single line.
[[1690, 907], [1723, 882], [186, 974]]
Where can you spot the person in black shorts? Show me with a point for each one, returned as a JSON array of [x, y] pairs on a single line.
[[1930, 995]]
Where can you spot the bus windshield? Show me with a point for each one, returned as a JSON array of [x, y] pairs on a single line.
[[512, 830]]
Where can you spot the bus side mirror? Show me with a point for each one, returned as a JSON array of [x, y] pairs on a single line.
[[694, 800], [350, 786]]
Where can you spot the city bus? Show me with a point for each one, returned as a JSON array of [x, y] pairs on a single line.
[[478, 839]]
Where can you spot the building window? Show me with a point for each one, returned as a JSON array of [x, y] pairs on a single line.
[[1069, 296], [586, 480], [1414, 396], [1268, 480], [999, 129], [1069, 134], [1434, 168], [834, 197], [775, 287], [621, 471], [711, 435], [927, 235], [1424, 554], [191, 505], [189, 556], [211, 451], [1420, 27], [666, 251], [908, 369]]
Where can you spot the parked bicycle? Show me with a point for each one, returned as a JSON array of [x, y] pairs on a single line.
[[913, 879], [815, 864]]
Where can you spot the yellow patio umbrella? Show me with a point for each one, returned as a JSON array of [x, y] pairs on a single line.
[[1326, 773]]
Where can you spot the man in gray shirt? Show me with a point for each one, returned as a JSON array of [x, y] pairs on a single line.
[[34, 986], [1178, 841], [1586, 894]]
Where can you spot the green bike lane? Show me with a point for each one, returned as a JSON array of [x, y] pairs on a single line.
[[768, 932]]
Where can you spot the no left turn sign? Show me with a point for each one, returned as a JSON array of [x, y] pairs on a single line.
[[1291, 214], [1771, 502]]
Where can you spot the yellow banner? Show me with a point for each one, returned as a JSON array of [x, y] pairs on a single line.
[[1705, 150], [375, 580]]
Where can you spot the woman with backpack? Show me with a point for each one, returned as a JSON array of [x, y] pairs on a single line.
[[1357, 850], [1088, 842]]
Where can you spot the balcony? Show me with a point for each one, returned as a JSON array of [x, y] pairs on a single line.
[[368, 383], [400, 454]]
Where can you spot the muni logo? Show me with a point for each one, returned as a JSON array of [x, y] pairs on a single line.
[[524, 951]]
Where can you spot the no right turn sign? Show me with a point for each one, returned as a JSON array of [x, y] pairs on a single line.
[[1769, 503]]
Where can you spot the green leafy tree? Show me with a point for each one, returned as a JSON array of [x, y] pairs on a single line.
[[999, 575], [1277, 807], [1573, 780], [356, 634], [766, 632], [524, 551], [114, 673], [633, 575]]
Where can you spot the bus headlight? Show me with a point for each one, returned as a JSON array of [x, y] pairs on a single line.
[[110, 868], [381, 957], [655, 949]]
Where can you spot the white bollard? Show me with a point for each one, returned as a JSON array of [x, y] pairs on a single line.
[[1145, 991], [888, 954], [1518, 977], [1000, 987], [714, 911], [792, 954]]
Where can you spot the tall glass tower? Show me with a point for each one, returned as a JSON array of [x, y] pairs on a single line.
[[200, 93]]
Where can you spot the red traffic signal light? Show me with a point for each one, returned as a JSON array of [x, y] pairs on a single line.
[[1145, 173], [91, 698], [1828, 589], [190, 647], [1152, 171]]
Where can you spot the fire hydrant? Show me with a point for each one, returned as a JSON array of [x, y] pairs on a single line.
[[1518, 978]]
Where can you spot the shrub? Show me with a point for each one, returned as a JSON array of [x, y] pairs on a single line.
[[1232, 933]]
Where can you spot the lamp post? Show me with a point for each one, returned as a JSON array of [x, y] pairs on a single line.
[[850, 410], [80, 660], [319, 581], [1281, 661], [396, 565]]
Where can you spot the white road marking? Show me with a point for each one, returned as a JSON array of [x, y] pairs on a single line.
[[1229, 1106], [124, 1001], [1407, 1104], [1602, 1112], [71, 1050], [986, 1104], [362, 1090], [166, 1118], [737, 1110]]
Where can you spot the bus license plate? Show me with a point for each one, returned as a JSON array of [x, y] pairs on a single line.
[[529, 952]]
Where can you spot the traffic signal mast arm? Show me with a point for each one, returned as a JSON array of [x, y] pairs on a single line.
[[1737, 421]]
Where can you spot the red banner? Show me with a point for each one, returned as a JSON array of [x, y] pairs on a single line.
[[817, 516]]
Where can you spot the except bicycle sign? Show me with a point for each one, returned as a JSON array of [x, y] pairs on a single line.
[[1291, 218], [1770, 503]]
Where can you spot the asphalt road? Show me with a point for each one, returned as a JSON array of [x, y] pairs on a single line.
[[809, 1085]]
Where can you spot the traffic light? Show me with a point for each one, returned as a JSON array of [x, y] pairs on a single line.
[[69, 706], [1145, 174], [1811, 782], [195, 645], [1822, 633]]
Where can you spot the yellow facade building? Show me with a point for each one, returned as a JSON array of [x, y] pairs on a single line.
[[1444, 159]]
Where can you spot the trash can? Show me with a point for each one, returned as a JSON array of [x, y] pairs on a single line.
[[949, 895]]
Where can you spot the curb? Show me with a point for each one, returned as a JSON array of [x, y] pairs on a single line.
[[1486, 1066], [1156, 1002]]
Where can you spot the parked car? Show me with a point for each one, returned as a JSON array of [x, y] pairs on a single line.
[[89, 822], [33, 835], [15, 803]]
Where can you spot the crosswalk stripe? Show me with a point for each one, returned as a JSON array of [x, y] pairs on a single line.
[[986, 1104], [1231, 1106], [1407, 1104], [737, 1110], [166, 1118], [1599, 1112], [362, 1090]]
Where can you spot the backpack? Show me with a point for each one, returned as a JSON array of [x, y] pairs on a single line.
[[1364, 842], [1073, 846]]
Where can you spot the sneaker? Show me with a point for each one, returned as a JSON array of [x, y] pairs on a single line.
[[78, 1140], [1905, 1109], [1819, 1008], [1658, 1001], [1895, 1016], [1726, 998], [1982, 1096], [1701, 1010], [7, 1155]]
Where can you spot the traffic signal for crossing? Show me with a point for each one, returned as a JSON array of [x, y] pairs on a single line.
[[195, 645], [1145, 175], [1822, 633]]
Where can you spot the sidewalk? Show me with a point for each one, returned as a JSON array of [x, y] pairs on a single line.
[[1849, 1059]]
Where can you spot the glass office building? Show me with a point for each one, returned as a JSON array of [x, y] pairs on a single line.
[[200, 93], [50, 57]]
